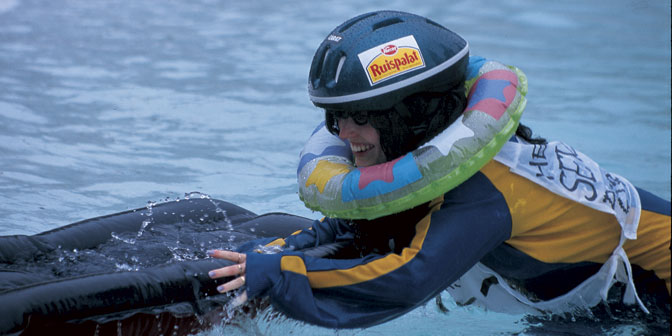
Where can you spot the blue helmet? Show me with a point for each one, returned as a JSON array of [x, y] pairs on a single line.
[[373, 61]]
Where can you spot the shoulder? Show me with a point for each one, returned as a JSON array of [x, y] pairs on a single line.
[[476, 188]]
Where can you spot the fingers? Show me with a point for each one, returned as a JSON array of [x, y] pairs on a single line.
[[237, 270], [233, 270], [228, 255], [232, 285]]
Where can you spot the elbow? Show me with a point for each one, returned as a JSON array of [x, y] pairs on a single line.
[[419, 293]]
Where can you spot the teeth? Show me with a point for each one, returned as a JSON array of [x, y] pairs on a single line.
[[360, 148]]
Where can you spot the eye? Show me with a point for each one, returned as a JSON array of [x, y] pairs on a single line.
[[360, 118]]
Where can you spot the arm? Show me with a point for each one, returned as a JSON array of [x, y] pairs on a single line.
[[471, 221], [323, 231]]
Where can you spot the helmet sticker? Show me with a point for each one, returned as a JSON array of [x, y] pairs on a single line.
[[334, 38], [391, 59]]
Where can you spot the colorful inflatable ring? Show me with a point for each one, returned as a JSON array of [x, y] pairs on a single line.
[[331, 184]]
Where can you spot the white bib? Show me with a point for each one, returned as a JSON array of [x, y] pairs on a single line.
[[571, 174]]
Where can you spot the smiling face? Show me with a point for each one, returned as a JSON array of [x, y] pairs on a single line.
[[364, 142]]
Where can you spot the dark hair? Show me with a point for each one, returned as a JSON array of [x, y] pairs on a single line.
[[526, 133], [417, 119], [422, 116]]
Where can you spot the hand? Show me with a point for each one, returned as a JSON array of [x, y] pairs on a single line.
[[237, 269]]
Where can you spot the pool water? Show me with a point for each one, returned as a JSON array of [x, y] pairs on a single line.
[[106, 105]]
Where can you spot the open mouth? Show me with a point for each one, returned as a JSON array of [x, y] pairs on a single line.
[[360, 148]]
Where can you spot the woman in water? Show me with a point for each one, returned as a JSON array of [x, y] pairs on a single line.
[[536, 214]]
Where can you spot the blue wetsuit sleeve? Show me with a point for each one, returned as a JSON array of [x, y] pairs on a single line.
[[354, 293], [324, 231]]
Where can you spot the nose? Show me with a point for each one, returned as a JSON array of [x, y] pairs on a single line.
[[346, 127]]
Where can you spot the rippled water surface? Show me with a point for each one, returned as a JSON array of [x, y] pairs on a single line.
[[106, 105]]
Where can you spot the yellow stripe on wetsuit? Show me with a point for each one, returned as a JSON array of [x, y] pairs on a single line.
[[281, 241], [365, 272]]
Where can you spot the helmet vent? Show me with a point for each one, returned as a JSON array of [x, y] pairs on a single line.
[[318, 65], [385, 23], [355, 20], [338, 69], [324, 60]]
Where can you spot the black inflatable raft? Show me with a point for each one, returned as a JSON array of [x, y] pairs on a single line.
[[139, 272]]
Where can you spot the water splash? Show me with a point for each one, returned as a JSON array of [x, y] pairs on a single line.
[[145, 223], [196, 194], [227, 221], [273, 249], [181, 253], [132, 241], [126, 267]]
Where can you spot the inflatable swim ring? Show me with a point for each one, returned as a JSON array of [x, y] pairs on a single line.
[[329, 183], [125, 274]]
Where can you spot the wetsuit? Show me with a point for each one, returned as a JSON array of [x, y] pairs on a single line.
[[514, 225]]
